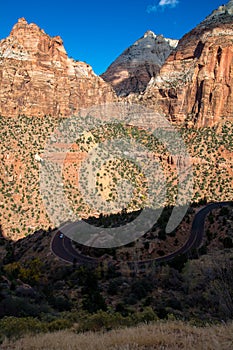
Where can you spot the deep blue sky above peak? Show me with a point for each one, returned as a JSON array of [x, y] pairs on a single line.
[[98, 31]]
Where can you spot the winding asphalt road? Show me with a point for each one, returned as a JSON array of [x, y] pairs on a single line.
[[63, 248]]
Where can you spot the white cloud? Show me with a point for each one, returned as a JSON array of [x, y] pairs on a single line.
[[171, 3], [162, 5]]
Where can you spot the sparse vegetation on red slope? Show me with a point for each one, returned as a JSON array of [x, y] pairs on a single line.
[[22, 138]]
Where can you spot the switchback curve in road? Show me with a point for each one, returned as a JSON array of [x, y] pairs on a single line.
[[62, 246]]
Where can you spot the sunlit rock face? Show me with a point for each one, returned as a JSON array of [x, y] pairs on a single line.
[[134, 68], [37, 77], [194, 85]]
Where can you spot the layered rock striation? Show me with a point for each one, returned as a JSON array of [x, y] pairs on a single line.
[[134, 68], [37, 78], [194, 86]]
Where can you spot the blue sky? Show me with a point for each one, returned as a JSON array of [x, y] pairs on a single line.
[[98, 31]]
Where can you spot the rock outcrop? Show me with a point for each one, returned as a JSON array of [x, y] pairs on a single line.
[[194, 86], [134, 68], [37, 78]]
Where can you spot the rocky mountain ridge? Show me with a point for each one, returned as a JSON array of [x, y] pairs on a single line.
[[37, 78], [133, 69], [194, 85], [221, 11]]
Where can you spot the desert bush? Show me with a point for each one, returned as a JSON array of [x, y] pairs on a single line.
[[147, 315], [102, 320], [12, 327], [59, 324]]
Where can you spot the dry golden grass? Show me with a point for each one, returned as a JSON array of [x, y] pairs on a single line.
[[171, 335]]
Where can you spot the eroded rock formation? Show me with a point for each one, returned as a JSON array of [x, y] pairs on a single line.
[[194, 85], [37, 78], [134, 68]]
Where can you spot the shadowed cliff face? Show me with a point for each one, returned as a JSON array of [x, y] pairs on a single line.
[[37, 78], [194, 85]]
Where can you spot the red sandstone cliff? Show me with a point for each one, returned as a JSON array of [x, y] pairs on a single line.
[[194, 85], [37, 78]]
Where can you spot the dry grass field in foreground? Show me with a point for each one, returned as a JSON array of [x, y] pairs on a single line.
[[171, 335]]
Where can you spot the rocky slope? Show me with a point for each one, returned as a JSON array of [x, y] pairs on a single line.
[[133, 69], [37, 78], [194, 84]]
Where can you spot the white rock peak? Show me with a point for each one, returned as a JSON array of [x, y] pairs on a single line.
[[149, 48]]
